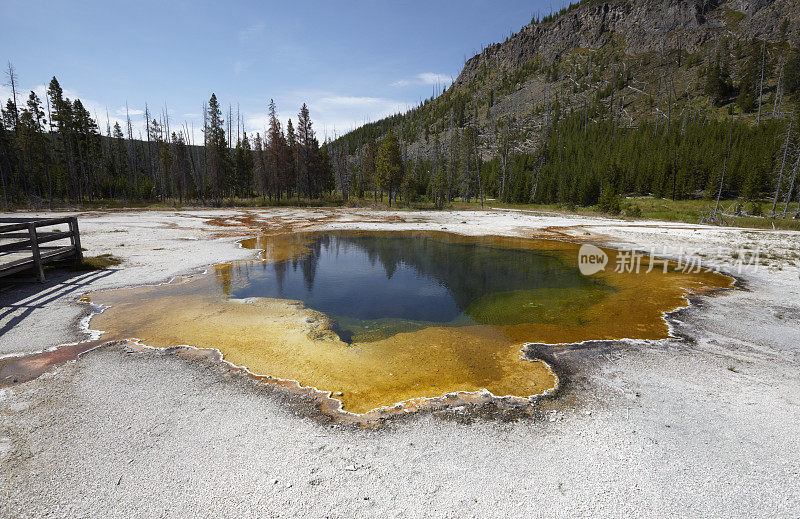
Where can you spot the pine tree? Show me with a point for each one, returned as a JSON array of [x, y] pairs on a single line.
[[61, 120], [305, 153], [389, 165], [6, 161], [368, 156], [719, 85], [291, 162], [325, 166], [748, 86], [119, 161], [244, 166], [791, 74], [260, 176], [35, 150], [278, 159], [216, 149]]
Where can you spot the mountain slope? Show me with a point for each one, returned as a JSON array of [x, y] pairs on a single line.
[[644, 53], [608, 98]]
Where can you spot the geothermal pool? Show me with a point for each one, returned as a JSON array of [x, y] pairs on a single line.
[[378, 318]]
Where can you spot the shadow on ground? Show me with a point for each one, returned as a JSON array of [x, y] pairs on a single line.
[[18, 300]]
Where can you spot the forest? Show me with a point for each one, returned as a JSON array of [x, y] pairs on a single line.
[[54, 153]]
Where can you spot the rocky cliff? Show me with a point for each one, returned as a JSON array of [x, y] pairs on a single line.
[[643, 26]]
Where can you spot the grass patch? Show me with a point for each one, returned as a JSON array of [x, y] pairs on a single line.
[[649, 208], [733, 18], [103, 261]]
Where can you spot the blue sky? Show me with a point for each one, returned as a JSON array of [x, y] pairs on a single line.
[[350, 61]]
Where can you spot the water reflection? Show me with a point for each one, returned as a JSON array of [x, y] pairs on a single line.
[[381, 284]]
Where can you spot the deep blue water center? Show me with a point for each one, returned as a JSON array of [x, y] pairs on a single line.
[[365, 281]]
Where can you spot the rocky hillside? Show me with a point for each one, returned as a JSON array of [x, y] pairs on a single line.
[[630, 60], [640, 26]]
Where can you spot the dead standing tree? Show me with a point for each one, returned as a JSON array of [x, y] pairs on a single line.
[[791, 188], [786, 147]]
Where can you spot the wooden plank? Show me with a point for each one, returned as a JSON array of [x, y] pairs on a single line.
[[16, 263], [46, 256], [59, 251], [8, 236], [76, 239], [38, 221], [40, 255], [53, 236], [41, 238], [16, 245], [37, 259], [46, 222], [16, 224], [13, 227]]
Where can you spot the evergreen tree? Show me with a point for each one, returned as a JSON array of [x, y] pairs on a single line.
[[438, 189], [368, 157], [324, 168], [305, 153], [260, 175], [244, 166], [719, 85], [61, 121], [278, 158], [7, 157], [791, 73], [291, 162], [389, 165], [747, 98], [119, 161], [216, 149], [181, 167], [34, 148]]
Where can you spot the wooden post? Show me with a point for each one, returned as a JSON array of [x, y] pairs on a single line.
[[76, 240], [37, 259]]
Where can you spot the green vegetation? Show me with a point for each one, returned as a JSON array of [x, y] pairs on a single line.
[[60, 156], [389, 165], [103, 261], [657, 209]]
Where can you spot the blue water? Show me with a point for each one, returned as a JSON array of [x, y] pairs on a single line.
[[366, 282]]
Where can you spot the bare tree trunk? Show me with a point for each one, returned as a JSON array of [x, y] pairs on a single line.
[[791, 189], [778, 87], [783, 164], [12, 80], [477, 155], [761, 85], [724, 166]]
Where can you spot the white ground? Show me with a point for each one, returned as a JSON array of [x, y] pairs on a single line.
[[705, 428]]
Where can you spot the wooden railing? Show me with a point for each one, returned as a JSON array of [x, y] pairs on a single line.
[[28, 239]]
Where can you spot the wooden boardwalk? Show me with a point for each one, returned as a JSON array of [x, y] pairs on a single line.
[[21, 242]]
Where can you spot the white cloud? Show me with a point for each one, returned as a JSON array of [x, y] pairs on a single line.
[[251, 32], [331, 114], [130, 111], [352, 101], [240, 66], [425, 78], [5, 94]]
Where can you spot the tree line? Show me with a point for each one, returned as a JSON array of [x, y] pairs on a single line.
[[734, 136], [52, 151]]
